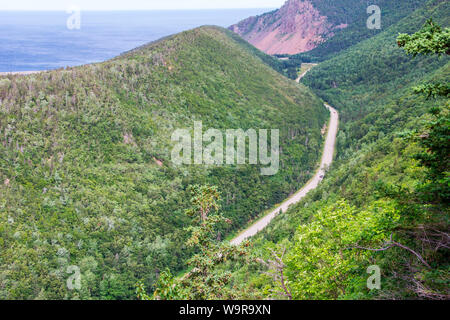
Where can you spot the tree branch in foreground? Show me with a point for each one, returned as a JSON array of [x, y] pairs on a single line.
[[391, 244]]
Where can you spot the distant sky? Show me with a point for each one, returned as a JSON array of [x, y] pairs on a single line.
[[136, 4]]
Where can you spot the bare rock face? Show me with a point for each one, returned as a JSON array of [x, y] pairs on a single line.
[[296, 27]]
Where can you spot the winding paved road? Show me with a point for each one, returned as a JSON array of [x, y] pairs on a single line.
[[312, 65], [327, 159]]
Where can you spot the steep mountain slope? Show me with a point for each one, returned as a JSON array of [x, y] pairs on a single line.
[[369, 198], [85, 168], [297, 27], [355, 12], [303, 25]]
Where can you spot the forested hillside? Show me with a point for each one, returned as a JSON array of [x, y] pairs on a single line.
[[354, 14], [384, 202], [86, 178]]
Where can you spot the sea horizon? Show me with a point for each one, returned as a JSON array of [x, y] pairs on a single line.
[[41, 40], [148, 10]]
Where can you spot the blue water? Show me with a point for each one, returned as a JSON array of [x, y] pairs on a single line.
[[41, 40]]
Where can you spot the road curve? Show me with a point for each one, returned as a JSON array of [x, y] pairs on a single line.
[[300, 77], [327, 159]]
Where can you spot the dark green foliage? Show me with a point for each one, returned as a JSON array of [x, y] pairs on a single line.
[[86, 177], [378, 98], [431, 39], [435, 139], [353, 13], [203, 281], [434, 89], [397, 204]]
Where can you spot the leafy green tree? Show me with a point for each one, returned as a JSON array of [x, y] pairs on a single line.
[[323, 262], [431, 39], [203, 200], [140, 291], [85, 161], [435, 138], [167, 288], [204, 280]]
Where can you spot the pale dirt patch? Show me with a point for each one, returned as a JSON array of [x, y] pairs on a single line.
[[158, 162]]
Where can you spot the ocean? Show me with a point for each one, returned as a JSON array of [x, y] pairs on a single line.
[[32, 41]]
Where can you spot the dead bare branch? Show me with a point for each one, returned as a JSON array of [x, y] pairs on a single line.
[[276, 271], [390, 244]]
